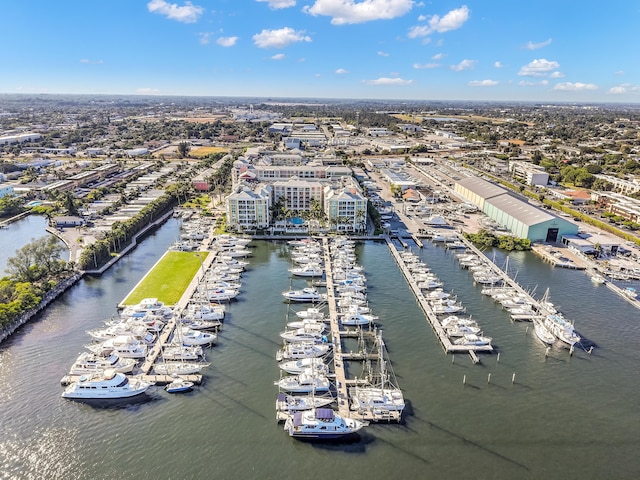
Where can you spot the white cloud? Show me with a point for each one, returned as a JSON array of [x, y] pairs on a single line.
[[556, 75], [536, 46], [450, 21], [388, 81], [205, 38], [464, 65], [426, 66], [91, 62], [575, 87], [344, 12], [498, 64], [227, 41], [619, 73], [278, 56], [483, 83], [538, 68], [341, 71], [624, 88], [383, 54], [147, 91], [188, 13], [278, 4], [279, 38], [438, 56], [527, 83]]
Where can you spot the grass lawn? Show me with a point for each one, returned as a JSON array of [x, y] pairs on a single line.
[[169, 278], [204, 151]]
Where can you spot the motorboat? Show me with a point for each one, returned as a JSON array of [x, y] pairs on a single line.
[[179, 368], [190, 337], [125, 346], [321, 423], [630, 292], [306, 382], [296, 367], [307, 270], [308, 331], [542, 332], [107, 384], [294, 403], [90, 362], [148, 305], [357, 319], [311, 313], [218, 283], [453, 321], [561, 328], [462, 330], [178, 385], [307, 294], [598, 279], [437, 294], [306, 322], [294, 351], [472, 340]]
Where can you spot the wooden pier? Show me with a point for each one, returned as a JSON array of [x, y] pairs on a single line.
[[338, 356], [432, 318]]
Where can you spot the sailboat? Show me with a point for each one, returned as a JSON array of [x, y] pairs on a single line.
[[382, 398]]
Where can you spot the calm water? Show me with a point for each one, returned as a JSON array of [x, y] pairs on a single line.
[[564, 417], [20, 233]]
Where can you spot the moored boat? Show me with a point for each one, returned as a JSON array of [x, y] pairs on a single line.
[[321, 423], [107, 384]]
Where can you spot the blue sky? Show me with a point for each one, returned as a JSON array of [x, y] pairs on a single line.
[[538, 50]]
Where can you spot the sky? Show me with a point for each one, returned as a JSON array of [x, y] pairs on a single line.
[[484, 50]]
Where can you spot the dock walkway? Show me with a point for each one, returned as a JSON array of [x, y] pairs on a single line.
[[431, 317]]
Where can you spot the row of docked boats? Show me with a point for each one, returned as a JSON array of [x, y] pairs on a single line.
[[305, 388], [461, 331]]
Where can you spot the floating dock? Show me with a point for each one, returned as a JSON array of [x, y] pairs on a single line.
[[441, 333]]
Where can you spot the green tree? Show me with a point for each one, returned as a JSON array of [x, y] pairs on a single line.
[[183, 149]]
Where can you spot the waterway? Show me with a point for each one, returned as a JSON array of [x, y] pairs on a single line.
[[563, 416]]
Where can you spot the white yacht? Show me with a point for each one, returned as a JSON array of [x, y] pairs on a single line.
[[473, 340], [321, 423], [190, 337], [307, 294], [91, 363], [306, 382], [307, 270], [125, 346], [150, 306], [311, 313], [294, 351], [296, 367], [377, 400], [107, 384], [293, 403], [561, 328]]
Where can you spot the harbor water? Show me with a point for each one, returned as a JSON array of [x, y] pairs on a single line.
[[520, 415]]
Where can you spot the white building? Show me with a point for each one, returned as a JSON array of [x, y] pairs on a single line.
[[19, 138], [249, 208], [297, 194], [528, 172], [346, 207]]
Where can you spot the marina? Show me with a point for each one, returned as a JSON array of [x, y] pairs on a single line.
[[232, 410]]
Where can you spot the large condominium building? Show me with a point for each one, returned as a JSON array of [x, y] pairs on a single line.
[[249, 208], [346, 207], [297, 194]]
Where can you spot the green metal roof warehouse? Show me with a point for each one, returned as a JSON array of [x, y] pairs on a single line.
[[520, 217]]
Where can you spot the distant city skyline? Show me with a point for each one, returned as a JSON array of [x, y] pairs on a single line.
[[498, 50]]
